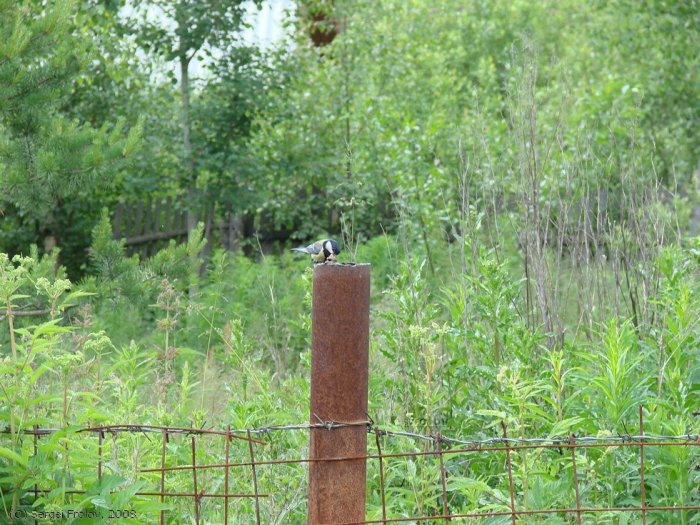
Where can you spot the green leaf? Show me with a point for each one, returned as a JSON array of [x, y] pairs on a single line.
[[13, 456], [495, 414]]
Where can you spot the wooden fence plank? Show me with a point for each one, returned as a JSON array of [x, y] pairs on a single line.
[[117, 223], [138, 219], [168, 214], [147, 219], [156, 226], [148, 225]]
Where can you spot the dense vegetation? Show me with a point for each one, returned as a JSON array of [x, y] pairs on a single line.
[[522, 176]]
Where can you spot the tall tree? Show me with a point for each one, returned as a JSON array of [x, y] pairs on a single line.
[[177, 30], [46, 159]]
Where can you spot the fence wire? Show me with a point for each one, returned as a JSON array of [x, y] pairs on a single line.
[[434, 445]]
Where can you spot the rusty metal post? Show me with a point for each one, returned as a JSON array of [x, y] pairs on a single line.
[[572, 442], [641, 465], [162, 474], [100, 436], [510, 473], [226, 448], [339, 371], [255, 479], [443, 476], [381, 472], [194, 480], [36, 449]]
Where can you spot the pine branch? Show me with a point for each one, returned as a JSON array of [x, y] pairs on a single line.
[[32, 88], [104, 164], [34, 38]]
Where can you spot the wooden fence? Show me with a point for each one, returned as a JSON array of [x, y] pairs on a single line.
[[149, 225]]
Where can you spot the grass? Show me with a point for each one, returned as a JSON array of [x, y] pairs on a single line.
[[455, 352]]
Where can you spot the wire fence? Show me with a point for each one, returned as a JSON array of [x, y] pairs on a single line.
[[452, 455]]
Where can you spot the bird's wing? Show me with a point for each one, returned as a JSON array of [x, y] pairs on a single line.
[[312, 249]]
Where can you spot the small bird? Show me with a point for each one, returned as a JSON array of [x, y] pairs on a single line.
[[321, 251]]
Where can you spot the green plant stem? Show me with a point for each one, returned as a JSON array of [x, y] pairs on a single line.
[[167, 331], [15, 502], [65, 401], [13, 430], [166, 365], [10, 321], [206, 361]]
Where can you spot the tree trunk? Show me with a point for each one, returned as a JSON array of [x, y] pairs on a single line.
[[234, 231], [187, 145]]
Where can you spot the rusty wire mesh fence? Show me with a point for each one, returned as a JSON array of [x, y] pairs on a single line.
[[233, 475]]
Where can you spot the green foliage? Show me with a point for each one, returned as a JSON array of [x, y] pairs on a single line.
[[520, 176], [47, 158], [451, 353], [197, 25], [223, 113]]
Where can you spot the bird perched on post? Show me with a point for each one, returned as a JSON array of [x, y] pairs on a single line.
[[321, 251]]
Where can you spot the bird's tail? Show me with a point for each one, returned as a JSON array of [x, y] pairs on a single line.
[[301, 250]]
